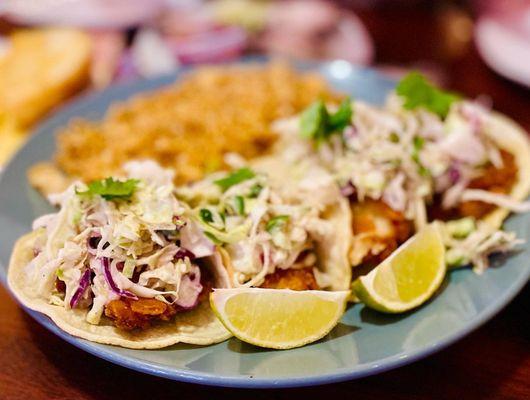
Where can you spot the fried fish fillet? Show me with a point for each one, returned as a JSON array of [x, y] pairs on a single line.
[[41, 68], [378, 231], [138, 314], [294, 279]]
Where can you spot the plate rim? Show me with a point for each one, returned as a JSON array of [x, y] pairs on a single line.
[[243, 381]]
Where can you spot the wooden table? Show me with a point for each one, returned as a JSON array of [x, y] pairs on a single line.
[[492, 363]]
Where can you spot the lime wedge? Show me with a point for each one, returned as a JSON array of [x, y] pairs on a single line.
[[407, 278], [278, 318]]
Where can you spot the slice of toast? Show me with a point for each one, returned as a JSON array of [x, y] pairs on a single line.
[[41, 68]]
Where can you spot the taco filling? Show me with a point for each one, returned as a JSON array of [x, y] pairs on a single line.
[[122, 251], [270, 235], [425, 155]]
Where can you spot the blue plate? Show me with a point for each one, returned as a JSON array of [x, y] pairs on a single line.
[[364, 343]]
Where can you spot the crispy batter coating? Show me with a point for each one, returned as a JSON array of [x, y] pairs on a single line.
[[138, 314], [294, 279], [497, 180], [378, 231]]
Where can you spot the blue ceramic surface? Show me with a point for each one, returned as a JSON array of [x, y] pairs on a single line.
[[364, 343]]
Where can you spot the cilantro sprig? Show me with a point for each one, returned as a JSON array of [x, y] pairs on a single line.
[[255, 190], [111, 189], [206, 215], [276, 223], [239, 203], [234, 178], [418, 92], [319, 124], [417, 145]]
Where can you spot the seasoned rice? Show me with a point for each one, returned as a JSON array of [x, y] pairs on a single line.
[[190, 125]]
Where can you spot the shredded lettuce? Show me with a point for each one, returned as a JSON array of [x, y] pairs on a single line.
[[219, 236], [461, 228], [455, 258], [128, 268]]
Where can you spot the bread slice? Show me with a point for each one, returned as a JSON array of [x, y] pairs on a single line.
[[41, 68]]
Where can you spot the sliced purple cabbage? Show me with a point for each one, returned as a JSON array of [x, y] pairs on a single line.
[[108, 277], [347, 190], [183, 253], [84, 282], [454, 174]]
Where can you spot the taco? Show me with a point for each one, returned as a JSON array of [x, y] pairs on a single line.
[[118, 264], [275, 228], [425, 155]]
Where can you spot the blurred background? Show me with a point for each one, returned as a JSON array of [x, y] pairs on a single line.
[[53, 50]]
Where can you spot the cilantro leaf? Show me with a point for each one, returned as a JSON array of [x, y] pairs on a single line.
[[234, 178], [276, 223], [418, 142], [111, 188], [313, 120], [239, 204], [394, 137], [255, 191], [418, 92], [318, 124], [342, 118], [206, 215]]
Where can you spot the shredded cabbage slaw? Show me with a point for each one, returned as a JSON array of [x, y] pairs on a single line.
[[404, 157], [263, 226], [102, 250]]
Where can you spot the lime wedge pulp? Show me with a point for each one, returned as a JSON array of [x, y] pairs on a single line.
[[407, 278], [278, 318]]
